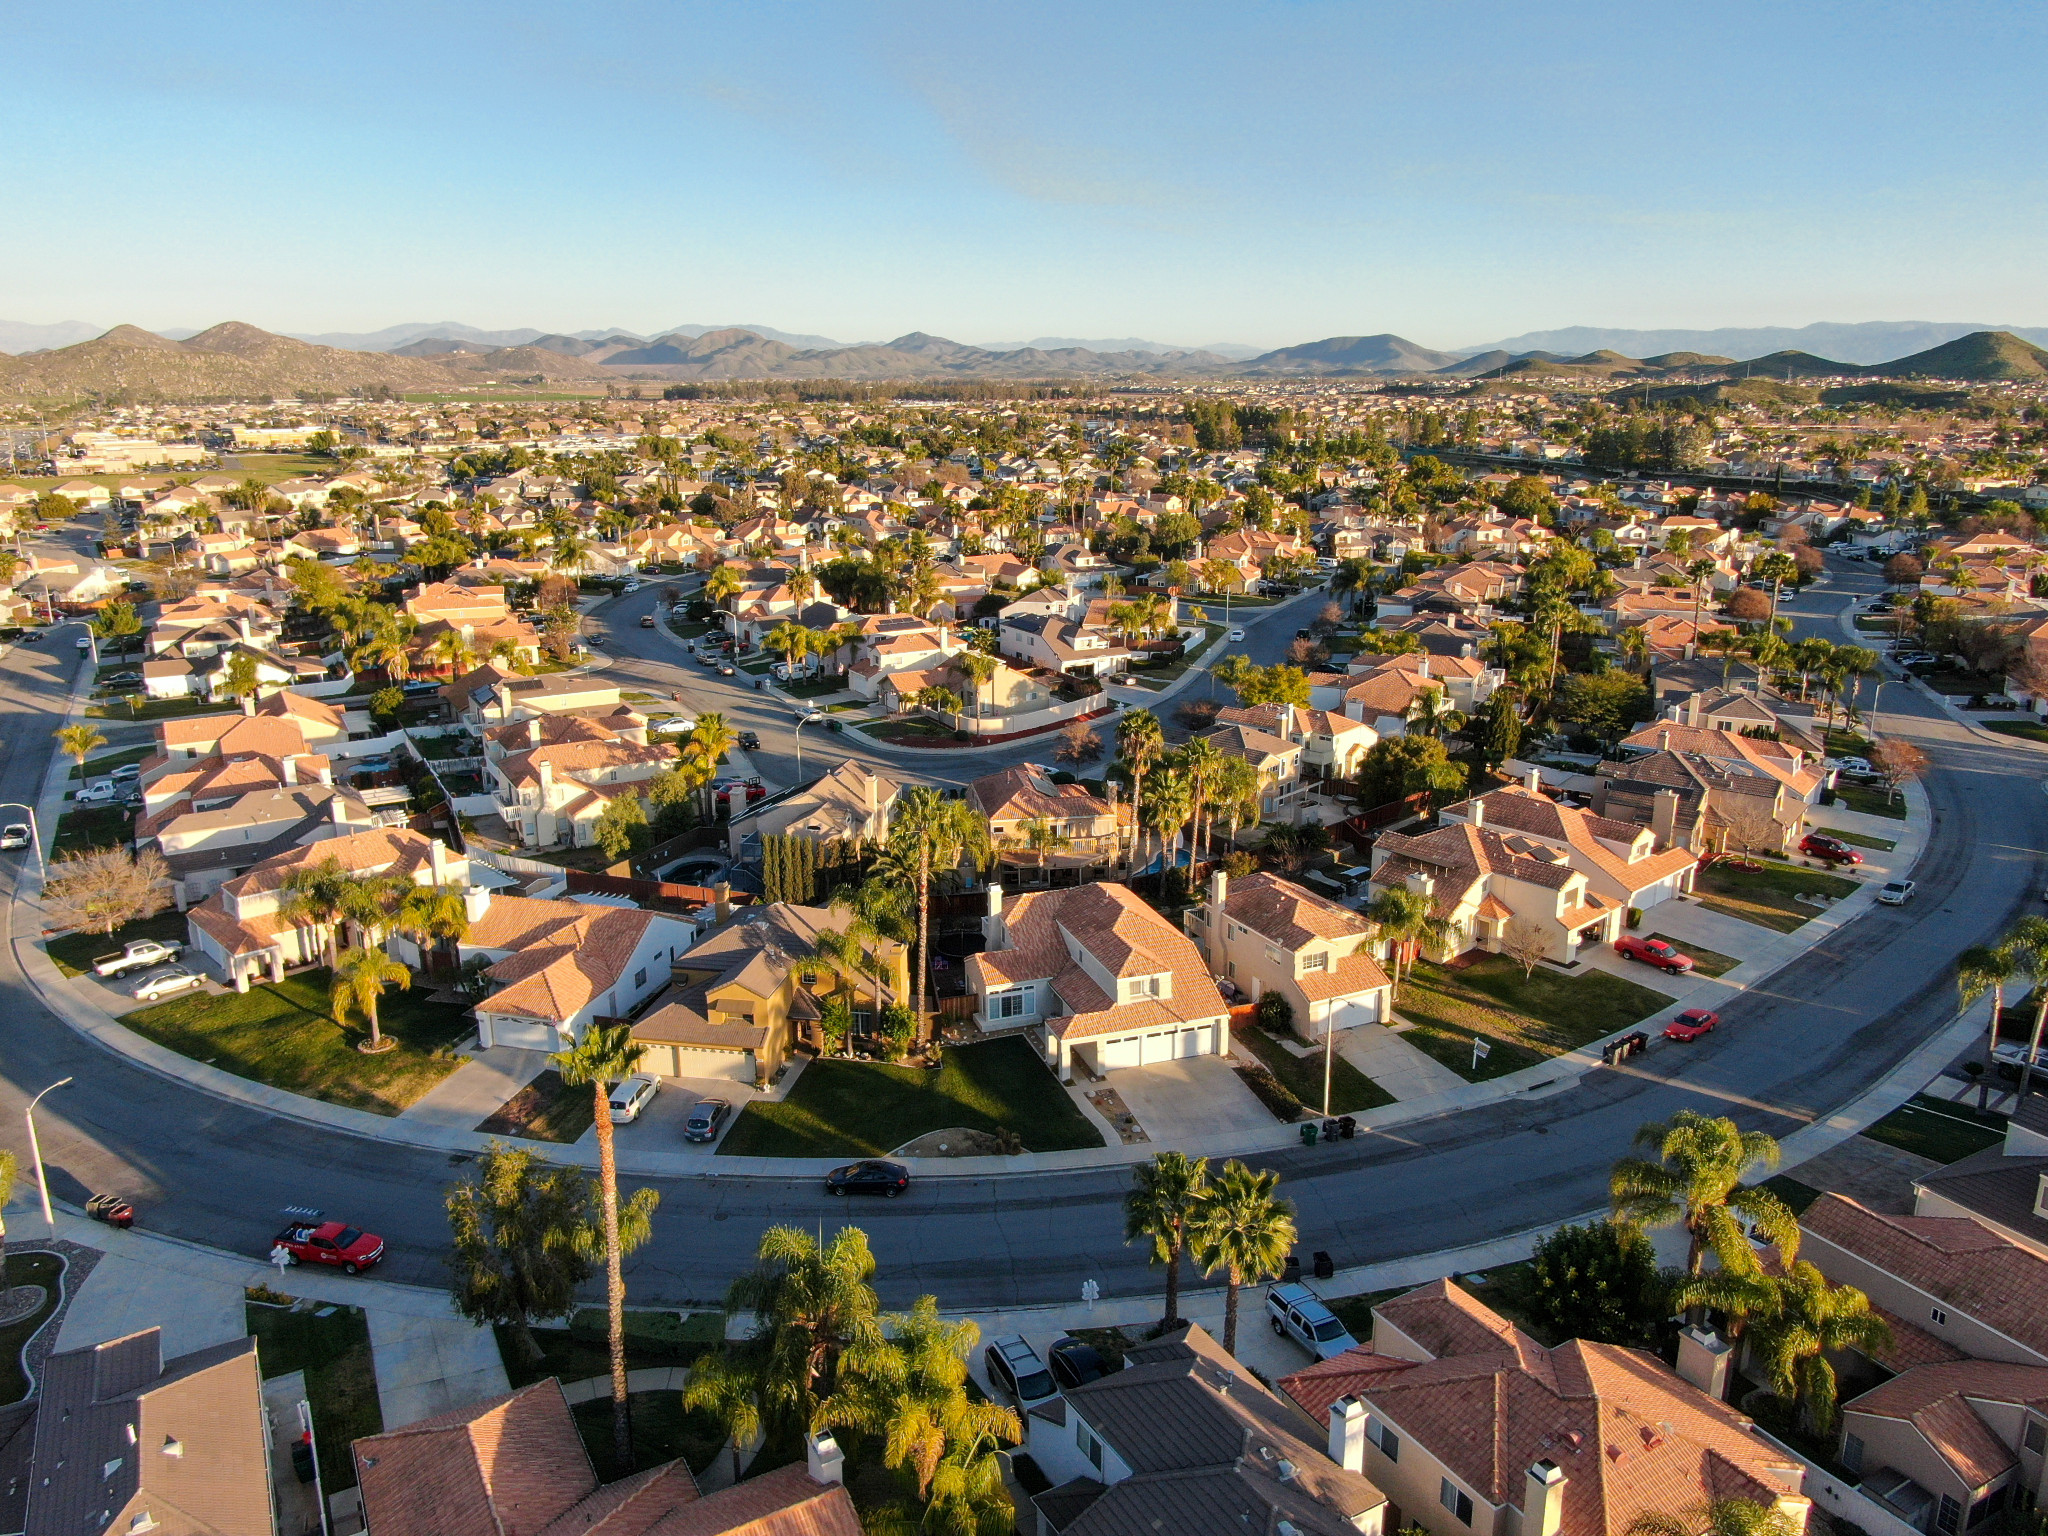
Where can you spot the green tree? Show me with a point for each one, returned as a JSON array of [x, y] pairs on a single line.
[[522, 1233], [1408, 922], [1697, 1182], [1603, 704], [622, 826], [9, 1170], [1810, 1321], [117, 621], [815, 1310], [1277, 684], [315, 894], [727, 1386], [1164, 1196], [1499, 732], [2028, 944], [359, 979], [1979, 969], [386, 705], [1400, 766], [932, 835], [1240, 1227], [605, 1055], [1723, 1517], [239, 680], [1598, 1282], [78, 742], [1140, 742], [436, 917]]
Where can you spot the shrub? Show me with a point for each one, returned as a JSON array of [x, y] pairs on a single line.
[[1598, 1282], [1275, 1014]]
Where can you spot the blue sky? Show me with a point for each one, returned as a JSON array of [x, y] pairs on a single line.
[[1191, 172]]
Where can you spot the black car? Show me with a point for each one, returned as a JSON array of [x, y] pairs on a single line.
[[1075, 1364], [889, 1179], [750, 741]]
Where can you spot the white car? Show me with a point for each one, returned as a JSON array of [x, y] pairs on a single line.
[[172, 978], [632, 586], [1895, 893], [14, 835], [1237, 637], [98, 793], [1859, 766], [628, 1098]]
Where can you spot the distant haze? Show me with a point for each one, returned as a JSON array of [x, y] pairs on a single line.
[[1870, 341]]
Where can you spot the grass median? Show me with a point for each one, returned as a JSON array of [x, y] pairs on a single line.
[[1351, 1091]]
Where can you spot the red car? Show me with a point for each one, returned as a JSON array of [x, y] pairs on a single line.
[[1691, 1024], [332, 1243], [1818, 845], [1654, 952]]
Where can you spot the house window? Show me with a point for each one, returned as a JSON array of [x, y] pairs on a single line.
[[1852, 1452], [1090, 1446], [1388, 1442], [1012, 1003], [1315, 960], [1230, 967], [1988, 1506], [863, 1018], [640, 977], [1940, 1317], [1144, 986], [2036, 1436], [1949, 1516], [1456, 1500]]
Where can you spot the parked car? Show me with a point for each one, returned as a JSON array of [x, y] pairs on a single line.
[[14, 835], [1075, 1363], [706, 1116], [332, 1243], [726, 669], [1691, 1024], [127, 773], [170, 980], [1298, 1313], [99, 792], [2008, 1056], [1014, 1368], [134, 956], [421, 686], [629, 1097], [1819, 845], [1653, 952], [1896, 893], [750, 741], [870, 1178], [1856, 767], [1236, 637]]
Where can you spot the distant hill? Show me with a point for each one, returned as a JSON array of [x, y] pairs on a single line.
[[1384, 353], [1792, 365], [1871, 341], [1686, 360], [1984, 355], [228, 360], [17, 336]]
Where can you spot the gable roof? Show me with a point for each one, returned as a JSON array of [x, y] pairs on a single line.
[[1287, 914]]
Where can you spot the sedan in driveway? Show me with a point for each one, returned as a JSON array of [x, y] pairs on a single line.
[[705, 1119], [1691, 1024], [1896, 893], [169, 980], [629, 1097], [1074, 1363], [1653, 952], [873, 1178], [1818, 845]]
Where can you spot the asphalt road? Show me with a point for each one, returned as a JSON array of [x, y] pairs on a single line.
[[1792, 1050]]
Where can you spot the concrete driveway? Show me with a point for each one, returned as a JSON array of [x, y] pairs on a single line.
[[660, 1125], [1193, 1100]]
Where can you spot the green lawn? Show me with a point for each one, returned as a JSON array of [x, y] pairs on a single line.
[[1708, 962], [1858, 840], [921, 732], [283, 1035], [93, 826], [45, 1270], [74, 952], [1524, 1020], [1945, 1132], [1351, 1091], [1871, 800], [2028, 730], [845, 1108], [154, 709], [1797, 1196], [1845, 743], [100, 767], [1766, 896], [332, 1346], [579, 1351], [1159, 677]]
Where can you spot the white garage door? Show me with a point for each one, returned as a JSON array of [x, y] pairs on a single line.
[[730, 1066], [1121, 1053], [525, 1034], [1191, 1041], [1351, 1015]]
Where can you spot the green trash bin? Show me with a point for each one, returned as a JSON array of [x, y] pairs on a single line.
[[1309, 1131]]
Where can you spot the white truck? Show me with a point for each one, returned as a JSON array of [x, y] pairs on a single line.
[[141, 953]]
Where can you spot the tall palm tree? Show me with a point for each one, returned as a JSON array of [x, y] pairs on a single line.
[[1811, 1320], [359, 979], [723, 584], [604, 1055], [1697, 1182], [932, 835], [1140, 742], [1979, 969], [78, 742], [710, 739], [790, 640], [1700, 573], [1406, 918], [1163, 1197], [1241, 1228], [453, 647], [816, 1311], [980, 669], [2028, 942], [1723, 1517], [1170, 805], [433, 912], [1201, 760], [316, 893], [1042, 835]]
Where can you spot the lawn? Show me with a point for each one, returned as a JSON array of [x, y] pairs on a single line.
[[93, 826], [1525, 1020], [74, 952], [813, 687], [1351, 1091], [1707, 962], [331, 1344], [1766, 896], [154, 709], [579, 1351], [546, 1109], [1844, 743], [2028, 730], [1797, 1196], [1159, 677], [1355, 1312], [843, 1108], [924, 733], [1871, 800], [282, 1034], [1945, 1132], [45, 1270], [100, 767], [1858, 840]]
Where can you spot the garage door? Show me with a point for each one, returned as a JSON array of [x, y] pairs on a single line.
[[729, 1066], [1191, 1041], [1120, 1053], [1351, 1015], [525, 1034]]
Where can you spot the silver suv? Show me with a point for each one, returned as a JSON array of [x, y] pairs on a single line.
[[1298, 1313], [1014, 1367]]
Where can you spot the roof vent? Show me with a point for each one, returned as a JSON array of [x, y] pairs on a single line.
[[173, 1446], [1286, 1471], [1575, 1440]]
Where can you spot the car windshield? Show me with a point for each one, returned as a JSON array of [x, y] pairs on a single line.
[[1657, 949], [347, 1237], [1037, 1384], [700, 1117], [1330, 1330]]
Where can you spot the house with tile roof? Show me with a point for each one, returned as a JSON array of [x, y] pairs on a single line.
[[1619, 859], [1470, 1425], [1803, 773], [847, 804], [1943, 1447], [1332, 746], [556, 794], [1185, 1439], [2005, 1187], [516, 1466], [1267, 934], [1098, 977], [1062, 645], [1015, 800], [1707, 805]]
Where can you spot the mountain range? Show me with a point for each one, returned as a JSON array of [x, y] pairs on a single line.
[[1873, 341], [233, 360]]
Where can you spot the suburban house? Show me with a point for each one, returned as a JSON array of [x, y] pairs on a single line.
[[1471, 1426], [1186, 1440], [555, 794], [492, 696], [559, 964], [735, 1003], [120, 1440], [1804, 774], [1704, 804], [850, 804], [1061, 645], [242, 932], [1277, 760], [229, 821], [1332, 746], [1083, 830], [1494, 887], [516, 1464], [1098, 976], [1620, 860], [282, 724], [1943, 1447], [2005, 1187], [1267, 934]]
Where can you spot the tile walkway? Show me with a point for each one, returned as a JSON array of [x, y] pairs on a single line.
[[1404, 1070]]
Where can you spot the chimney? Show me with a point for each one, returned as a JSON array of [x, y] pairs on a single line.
[[993, 932], [533, 731], [1664, 741], [1534, 783], [1703, 1361], [1219, 889], [1543, 1500], [1475, 811], [476, 901], [1692, 710], [248, 700], [823, 1459], [1664, 817], [1347, 1434], [874, 788], [1420, 883], [437, 859], [721, 900], [288, 770]]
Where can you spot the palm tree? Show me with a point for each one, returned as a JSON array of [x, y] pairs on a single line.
[[359, 979], [1810, 1321], [1723, 1517], [78, 742], [722, 584], [1979, 969], [728, 1389], [1700, 573], [1140, 742], [1163, 1197], [791, 640], [980, 669], [931, 835], [453, 647], [1406, 918], [317, 893], [1201, 760], [1042, 835], [436, 912], [1170, 806], [1697, 1181], [815, 1310], [710, 739], [2028, 942], [604, 1055], [1239, 1227]]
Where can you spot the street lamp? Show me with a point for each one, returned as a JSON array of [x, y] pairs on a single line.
[[799, 734], [35, 838], [92, 640], [35, 1151]]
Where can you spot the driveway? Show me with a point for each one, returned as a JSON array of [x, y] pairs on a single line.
[[660, 1126], [1199, 1099], [1403, 1070]]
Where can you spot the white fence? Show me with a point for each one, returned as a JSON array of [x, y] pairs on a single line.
[[1031, 720]]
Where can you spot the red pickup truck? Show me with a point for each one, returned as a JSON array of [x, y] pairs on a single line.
[[332, 1243]]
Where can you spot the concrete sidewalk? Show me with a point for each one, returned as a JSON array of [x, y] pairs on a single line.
[[477, 1089]]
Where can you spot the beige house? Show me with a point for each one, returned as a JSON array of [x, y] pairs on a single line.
[[1494, 888], [1267, 934], [1620, 860], [850, 803], [557, 965], [556, 794], [1017, 800], [1332, 746]]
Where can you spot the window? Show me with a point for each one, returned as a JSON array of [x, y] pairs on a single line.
[[1011, 1003], [2036, 1436], [1852, 1452], [1315, 960], [1940, 1317], [1458, 1502], [640, 977], [1142, 986], [1383, 1437], [863, 1018], [1988, 1506], [1090, 1446], [1230, 968], [1949, 1516]]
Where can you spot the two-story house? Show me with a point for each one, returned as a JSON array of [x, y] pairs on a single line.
[[1084, 830], [1620, 860], [1267, 934], [849, 803], [556, 794], [1062, 645], [1332, 746], [1098, 976]]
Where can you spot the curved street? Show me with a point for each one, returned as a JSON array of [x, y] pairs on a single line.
[[1795, 1048]]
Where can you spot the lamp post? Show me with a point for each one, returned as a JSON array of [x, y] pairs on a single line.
[[35, 839], [799, 734], [35, 1152]]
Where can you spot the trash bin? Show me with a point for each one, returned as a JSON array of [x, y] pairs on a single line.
[[1329, 1130], [1326, 1267], [1308, 1133], [1347, 1127], [1291, 1270]]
